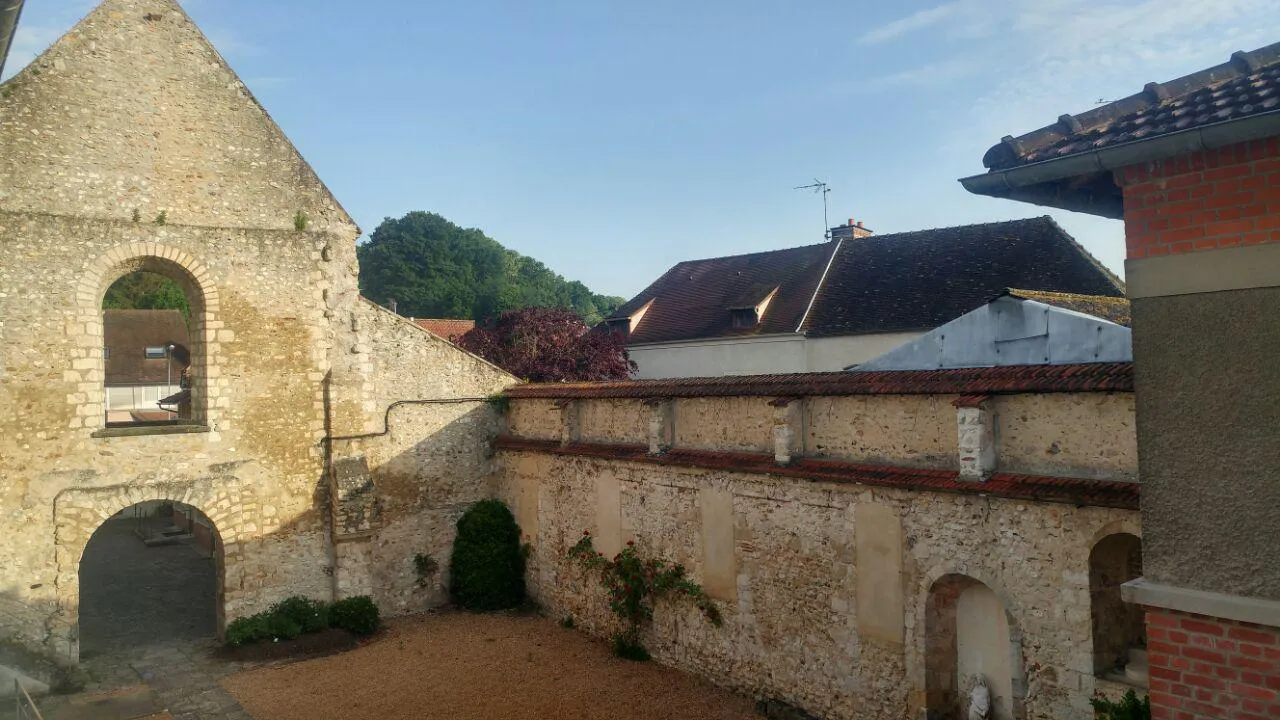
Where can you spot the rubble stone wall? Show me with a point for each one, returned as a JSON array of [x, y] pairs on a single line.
[[830, 590]]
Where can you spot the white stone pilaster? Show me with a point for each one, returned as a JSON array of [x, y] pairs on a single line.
[[975, 427]]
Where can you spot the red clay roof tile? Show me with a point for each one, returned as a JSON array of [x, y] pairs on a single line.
[[1092, 377]]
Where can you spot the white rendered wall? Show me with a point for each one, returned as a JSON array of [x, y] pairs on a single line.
[[761, 355]]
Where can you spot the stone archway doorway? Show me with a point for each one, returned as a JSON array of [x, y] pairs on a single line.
[[151, 574]]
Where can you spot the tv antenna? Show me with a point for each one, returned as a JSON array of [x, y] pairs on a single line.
[[817, 186]]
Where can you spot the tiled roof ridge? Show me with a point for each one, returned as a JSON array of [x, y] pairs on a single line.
[[945, 228], [1027, 293], [1085, 377], [737, 256], [1012, 149], [1076, 491]]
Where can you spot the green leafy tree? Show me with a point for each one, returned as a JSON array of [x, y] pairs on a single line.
[[146, 291], [434, 268]]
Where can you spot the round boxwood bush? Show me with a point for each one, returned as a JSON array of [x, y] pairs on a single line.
[[487, 566], [355, 614], [310, 615]]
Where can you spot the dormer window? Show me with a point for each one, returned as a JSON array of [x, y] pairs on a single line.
[[744, 318], [621, 326], [627, 324]]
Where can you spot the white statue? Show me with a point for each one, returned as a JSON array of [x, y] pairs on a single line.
[[979, 699]]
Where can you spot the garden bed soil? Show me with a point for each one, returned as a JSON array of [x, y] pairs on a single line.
[[481, 667], [307, 645]]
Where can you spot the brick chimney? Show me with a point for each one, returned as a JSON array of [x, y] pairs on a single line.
[[851, 230]]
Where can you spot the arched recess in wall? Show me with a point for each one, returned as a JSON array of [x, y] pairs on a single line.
[[149, 574], [969, 632], [202, 404], [79, 513], [1119, 629]]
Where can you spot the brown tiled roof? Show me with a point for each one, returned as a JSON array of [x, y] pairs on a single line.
[[1076, 491], [1092, 377], [883, 283], [1115, 309], [1246, 86], [919, 280], [126, 336], [447, 328], [692, 300]]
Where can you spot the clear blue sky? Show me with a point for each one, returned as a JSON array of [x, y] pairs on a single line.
[[613, 139]]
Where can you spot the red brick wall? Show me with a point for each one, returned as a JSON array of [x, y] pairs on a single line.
[[1203, 668], [1204, 200]]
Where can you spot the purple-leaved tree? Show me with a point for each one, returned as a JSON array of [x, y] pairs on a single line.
[[550, 345]]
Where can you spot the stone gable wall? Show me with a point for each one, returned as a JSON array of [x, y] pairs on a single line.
[[128, 113], [133, 110]]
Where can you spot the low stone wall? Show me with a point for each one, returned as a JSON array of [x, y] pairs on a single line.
[[850, 590]]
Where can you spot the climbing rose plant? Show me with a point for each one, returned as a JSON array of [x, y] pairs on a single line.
[[633, 583]]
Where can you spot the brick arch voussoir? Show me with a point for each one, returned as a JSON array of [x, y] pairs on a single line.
[[78, 515], [92, 282]]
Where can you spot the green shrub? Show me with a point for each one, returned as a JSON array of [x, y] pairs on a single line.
[[356, 615], [1128, 707], [309, 615], [251, 629], [283, 627], [487, 566]]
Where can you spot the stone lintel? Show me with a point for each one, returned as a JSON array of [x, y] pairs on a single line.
[[1202, 602]]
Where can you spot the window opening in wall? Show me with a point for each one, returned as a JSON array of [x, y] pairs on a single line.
[[147, 336]]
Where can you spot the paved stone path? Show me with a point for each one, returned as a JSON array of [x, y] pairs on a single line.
[[148, 615]]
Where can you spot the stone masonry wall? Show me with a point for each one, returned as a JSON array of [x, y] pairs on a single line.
[[134, 111], [434, 460], [1080, 435], [825, 586]]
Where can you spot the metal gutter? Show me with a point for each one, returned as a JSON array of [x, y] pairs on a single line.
[[821, 281], [10, 11], [1015, 183]]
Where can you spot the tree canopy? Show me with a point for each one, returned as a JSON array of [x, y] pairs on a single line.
[[550, 345], [144, 290], [436, 269]]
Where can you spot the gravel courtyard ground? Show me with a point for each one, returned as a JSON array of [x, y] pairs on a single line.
[[458, 665]]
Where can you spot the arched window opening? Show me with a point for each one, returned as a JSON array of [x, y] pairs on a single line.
[[1119, 632], [152, 330], [969, 637], [152, 573]]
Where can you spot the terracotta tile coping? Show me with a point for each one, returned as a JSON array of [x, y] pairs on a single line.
[[1074, 491], [1092, 377]]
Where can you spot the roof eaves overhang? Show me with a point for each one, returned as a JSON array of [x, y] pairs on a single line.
[[1070, 182], [10, 11]]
